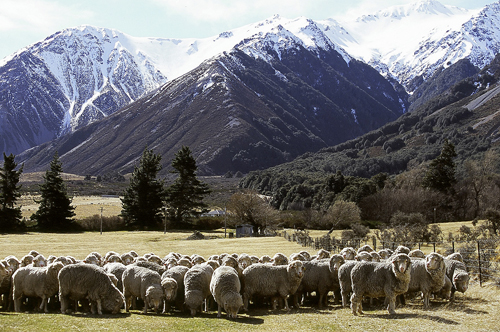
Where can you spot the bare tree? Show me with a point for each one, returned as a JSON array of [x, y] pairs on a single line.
[[342, 214]]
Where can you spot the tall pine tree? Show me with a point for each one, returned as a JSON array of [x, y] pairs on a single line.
[[55, 212], [143, 199], [10, 215], [440, 175], [185, 196]]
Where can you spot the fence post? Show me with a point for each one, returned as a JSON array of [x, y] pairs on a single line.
[[434, 244], [479, 263], [419, 245], [453, 246]]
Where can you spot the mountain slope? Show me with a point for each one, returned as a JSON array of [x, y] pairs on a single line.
[[265, 102]]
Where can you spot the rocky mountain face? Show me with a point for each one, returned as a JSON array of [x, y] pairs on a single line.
[[261, 104], [291, 86]]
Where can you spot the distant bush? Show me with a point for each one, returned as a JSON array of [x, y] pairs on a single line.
[[109, 224]]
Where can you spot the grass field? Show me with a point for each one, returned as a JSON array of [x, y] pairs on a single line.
[[476, 310]]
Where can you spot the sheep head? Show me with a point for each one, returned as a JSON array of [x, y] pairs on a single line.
[[434, 261], [154, 296], [296, 268], [401, 264], [335, 262], [170, 288]]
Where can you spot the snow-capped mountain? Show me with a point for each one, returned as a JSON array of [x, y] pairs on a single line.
[[416, 39], [83, 74]]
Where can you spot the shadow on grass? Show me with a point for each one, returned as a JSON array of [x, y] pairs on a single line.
[[103, 316], [416, 316]]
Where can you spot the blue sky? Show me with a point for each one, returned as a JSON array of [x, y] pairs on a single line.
[[23, 22]]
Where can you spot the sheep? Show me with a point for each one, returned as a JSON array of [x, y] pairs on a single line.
[[88, 281], [254, 259], [127, 258], [177, 273], [375, 256], [98, 255], [33, 253], [117, 270], [230, 261], [455, 256], [154, 259], [26, 260], [197, 259], [348, 253], [427, 276], [366, 248], [265, 259], [225, 287], [384, 253], [214, 264], [272, 280], [145, 283], [244, 261], [150, 265], [322, 254], [4, 273], [401, 250], [377, 279], [31, 281], [280, 259], [113, 259], [321, 276], [305, 254], [417, 253], [297, 257], [93, 259], [12, 264], [170, 263], [344, 274], [456, 271], [197, 286], [185, 262], [445, 292]]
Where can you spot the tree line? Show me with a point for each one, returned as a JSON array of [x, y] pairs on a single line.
[[146, 204]]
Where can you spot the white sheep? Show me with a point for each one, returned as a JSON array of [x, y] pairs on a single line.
[[378, 279], [197, 286], [145, 283], [31, 281], [225, 287], [427, 276], [176, 273], [271, 281]]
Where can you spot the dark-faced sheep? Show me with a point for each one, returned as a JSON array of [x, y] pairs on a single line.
[[271, 281], [379, 279], [145, 283], [427, 276], [38, 282], [91, 282], [225, 287], [197, 286]]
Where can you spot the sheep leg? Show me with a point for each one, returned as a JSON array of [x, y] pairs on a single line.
[[245, 301], [392, 304], [17, 303], [128, 303], [43, 306], [286, 303], [426, 297], [145, 310], [64, 303], [219, 310], [99, 306]]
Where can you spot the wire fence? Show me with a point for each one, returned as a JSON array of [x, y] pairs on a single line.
[[481, 257]]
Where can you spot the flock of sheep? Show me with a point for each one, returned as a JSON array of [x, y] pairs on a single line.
[[109, 283]]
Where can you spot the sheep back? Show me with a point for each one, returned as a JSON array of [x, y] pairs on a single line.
[[142, 282], [225, 287], [197, 286], [427, 276]]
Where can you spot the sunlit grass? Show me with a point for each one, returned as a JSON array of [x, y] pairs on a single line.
[[476, 310]]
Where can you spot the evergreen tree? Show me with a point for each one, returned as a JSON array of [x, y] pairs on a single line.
[[10, 216], [440, 175], [143, 199], [55, 212], [185, 196]]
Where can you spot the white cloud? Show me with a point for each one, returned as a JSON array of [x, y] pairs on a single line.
[[37, 15]]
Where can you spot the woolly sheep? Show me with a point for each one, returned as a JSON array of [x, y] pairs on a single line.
[[377, 279], [265, 259], [254, 259], [113, 259], [230, 261], [127, 258], [417, 253], [401, 250], [12, 264], [306, 255], [214, 264], [272, 280], [33, 253], [225, 287], [348, 253], [26, 260], [322, 254], [154, 259], [3, 272], [297, 257], [321, 276], [456, 271], [145, 283], [106, 256], [150, 265], [98, 255], [366, 248], [117, 270], [344, 274], [51, 259], [31, 281], [244, 261], [92, 259], [177, 273], [427, 276], [88, 281], [384, 253], [197, 259], [280, 259], [185, 262], [39, 261], [170, 263], [456, 256], [375, 256], [197, 286]]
